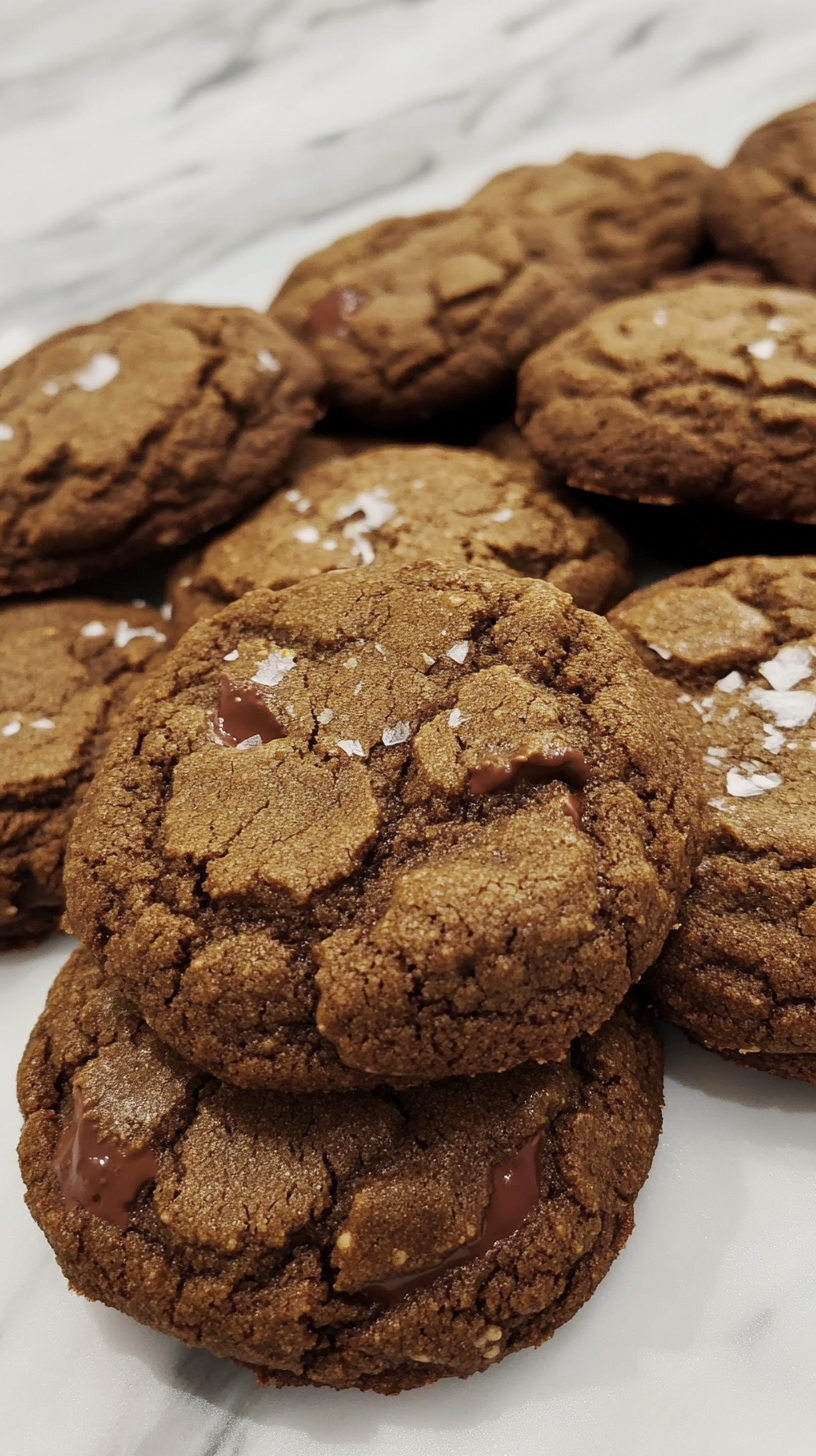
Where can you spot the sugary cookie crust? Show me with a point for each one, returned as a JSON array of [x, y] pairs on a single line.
[[341, 905]]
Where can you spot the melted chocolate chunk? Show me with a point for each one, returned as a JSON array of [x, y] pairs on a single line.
[[574, 808], [241, 714], [570, 765], [515, 1193], [331, 313], [99, 1176]]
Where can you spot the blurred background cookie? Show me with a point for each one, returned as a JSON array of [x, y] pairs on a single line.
[[139, 432], [737, 642], [414, 316], [346, 1241], [407, 503], [704, 395], [762, 206], [66, 670]]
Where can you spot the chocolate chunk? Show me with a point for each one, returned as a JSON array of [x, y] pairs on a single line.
[[571, 766], [514, 1195], [331, 313], [242, 714], [98, 1175]]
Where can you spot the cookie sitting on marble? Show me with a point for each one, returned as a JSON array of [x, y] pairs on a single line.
[[707, 394], [413, 316], [762, 206], [737, 641], [359, 1241], [387, 825], [66, 670], [407, 503], [140, 432]]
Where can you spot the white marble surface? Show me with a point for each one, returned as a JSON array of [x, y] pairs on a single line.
[[194, 149]]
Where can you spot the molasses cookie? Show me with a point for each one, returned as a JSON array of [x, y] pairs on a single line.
[[66, 670], [407, 503], [762, 206], [139, 432], [702, 394], [387, 825], [376, 1240], [737, 642], [414, 316]]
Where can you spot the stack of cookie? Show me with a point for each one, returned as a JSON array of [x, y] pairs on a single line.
[[348, 1080]]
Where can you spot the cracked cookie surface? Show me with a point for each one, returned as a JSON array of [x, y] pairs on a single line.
[[139, 432], [387, 825], [413, 316], [67, 669], [703, 394], [737, 641], [330, 1241], [762, 206], [407, 503]]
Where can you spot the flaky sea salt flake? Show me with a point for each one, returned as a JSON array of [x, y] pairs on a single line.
[[790, 709], [661, 651], [351, 746], [459, 651], [254, 742], [455, 718], [6, 432], [400, 733], [231, 656], [125, 633], [730, 684], [504, 514], [274, 668], [763, 348], [42, 723], [10, 729], [790, 666], [307, 535], [326, 716], [268, 361], [429, 661], [99, 371], [93, 629]]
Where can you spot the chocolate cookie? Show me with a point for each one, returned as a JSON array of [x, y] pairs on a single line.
[[414, 316], [377, 1240], [737, 640], [407, 503], [66, 670], [140, 432], [387, 825], [706, 394], [762, 207]]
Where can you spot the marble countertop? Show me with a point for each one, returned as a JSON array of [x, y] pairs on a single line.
[[194, 149]]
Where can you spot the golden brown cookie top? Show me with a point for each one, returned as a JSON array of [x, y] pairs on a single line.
[[404, 503], [387, 824], [703, 394], [416, 315], [139, 432]]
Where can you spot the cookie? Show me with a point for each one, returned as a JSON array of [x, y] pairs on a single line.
[[407, 503], [140, 432], [736, 640], [387, 825], [702, 395], [415, 316], [66, 670], [374, 1240], [762, 206]]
